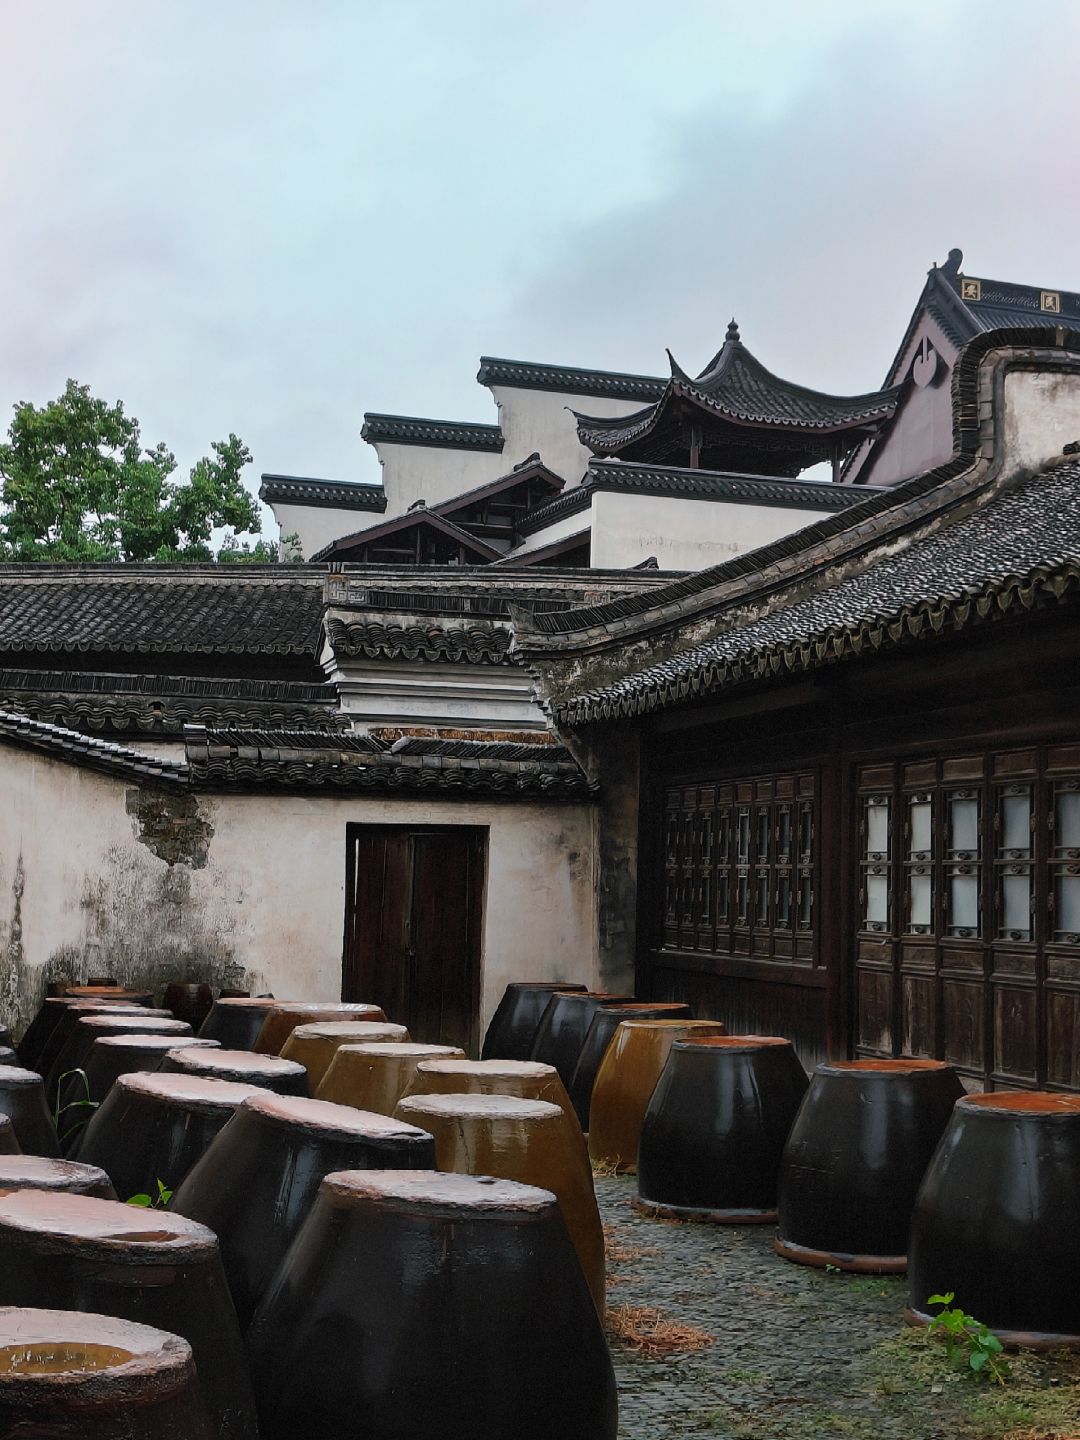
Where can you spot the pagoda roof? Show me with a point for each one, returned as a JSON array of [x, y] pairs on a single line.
[[736, 392]]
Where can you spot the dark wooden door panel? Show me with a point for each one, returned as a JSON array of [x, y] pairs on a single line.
[[413, 921]]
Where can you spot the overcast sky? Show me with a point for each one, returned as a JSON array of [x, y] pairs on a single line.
[[267, 216]]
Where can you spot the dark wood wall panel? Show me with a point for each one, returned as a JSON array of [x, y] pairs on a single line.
[[1063, 1037], [747, 1007]]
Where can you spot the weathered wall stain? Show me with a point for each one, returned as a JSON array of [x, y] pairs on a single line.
[[170, 826]]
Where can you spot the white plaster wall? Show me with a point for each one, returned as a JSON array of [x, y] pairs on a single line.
[[572, 524], [75, 878], [1042, 414], [539, 421], [424, 472], [407, 692], [683, 534], [921, 434], [317, 526]]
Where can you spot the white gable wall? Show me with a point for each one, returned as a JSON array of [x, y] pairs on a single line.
[[540, 422], [431, 474]]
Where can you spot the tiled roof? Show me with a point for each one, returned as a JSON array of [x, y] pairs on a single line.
[[480, 643], [160, 609], [442, 434], [321, 494], [101, 755], [164, 704], [736, 386], [420, 515], [568, 379], [317, 764], [520, 475], [682, 484], [1018, 550]]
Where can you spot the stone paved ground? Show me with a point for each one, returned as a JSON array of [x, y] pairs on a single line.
[[798, 1354]]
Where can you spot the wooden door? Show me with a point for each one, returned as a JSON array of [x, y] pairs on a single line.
[[413, 916]]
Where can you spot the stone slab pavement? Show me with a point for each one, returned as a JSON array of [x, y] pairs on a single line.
[[798, 1353]]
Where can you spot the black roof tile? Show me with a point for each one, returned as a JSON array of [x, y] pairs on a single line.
[[441, 434], [321, 494], [569, 379]]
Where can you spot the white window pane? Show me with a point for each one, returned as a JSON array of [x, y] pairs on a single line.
[[1016, 822], [964, 825], [920, 899], [963, 902], [877, 899], [1067, 904], [1068, 819], [921, 840], [1016, 906], [877, 829]]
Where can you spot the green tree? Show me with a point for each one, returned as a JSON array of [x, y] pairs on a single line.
[[78, 484]]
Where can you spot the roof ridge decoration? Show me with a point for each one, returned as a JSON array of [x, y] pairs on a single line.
[[805, 596], [321, 494], [439, 434], [568, 379], [60, 743], [478, 643]]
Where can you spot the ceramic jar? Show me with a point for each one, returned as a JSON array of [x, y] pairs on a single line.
[[268, 1072], [522, 1140], [283, 1020], [35, 1172], [114, 1055], [628, 1074], [73, 1376], [600, 1035], [22, 1100], [190, 1002], [63, 1085], [432, 1305], [855, 1159], [155, 1127], [374, 1077], [9, 1144], [715, 1128], [8, 1056], [997, 1219], [259, 1177], [235, 1021], [520, 1079], [564, 1025], [73, 1252], [514, 1025], [5, 1038], [71, 1014], [314, 1046]]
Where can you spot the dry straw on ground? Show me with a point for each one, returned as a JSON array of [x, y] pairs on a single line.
[[647, 1331]]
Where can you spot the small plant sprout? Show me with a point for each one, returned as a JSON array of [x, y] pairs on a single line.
[[153, 1202], [83, 1103], [970, 1346]]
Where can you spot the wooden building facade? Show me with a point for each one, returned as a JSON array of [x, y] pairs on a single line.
[[859, 803]]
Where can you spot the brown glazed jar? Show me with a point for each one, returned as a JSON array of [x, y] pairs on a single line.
[[188, 1001], [564, 1025], [522, 1140], [715, 1129], [514, 1025], [71, 1013], [600, 1035], [9, 1144], [417, 1304], [243, 1067], [997, 1219], [374, 1077], [72, 1252], [235, 1021], [628, 1074], [35, 1172], [314, 1046], [855, 1159], [520, 1079], [259, 1178], [155, 1127], [283, 1020], [67, 1375], [22, 1100], [80, 1030], [8, 1056]]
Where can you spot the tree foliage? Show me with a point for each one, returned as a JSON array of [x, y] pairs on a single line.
[[78, 484]]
